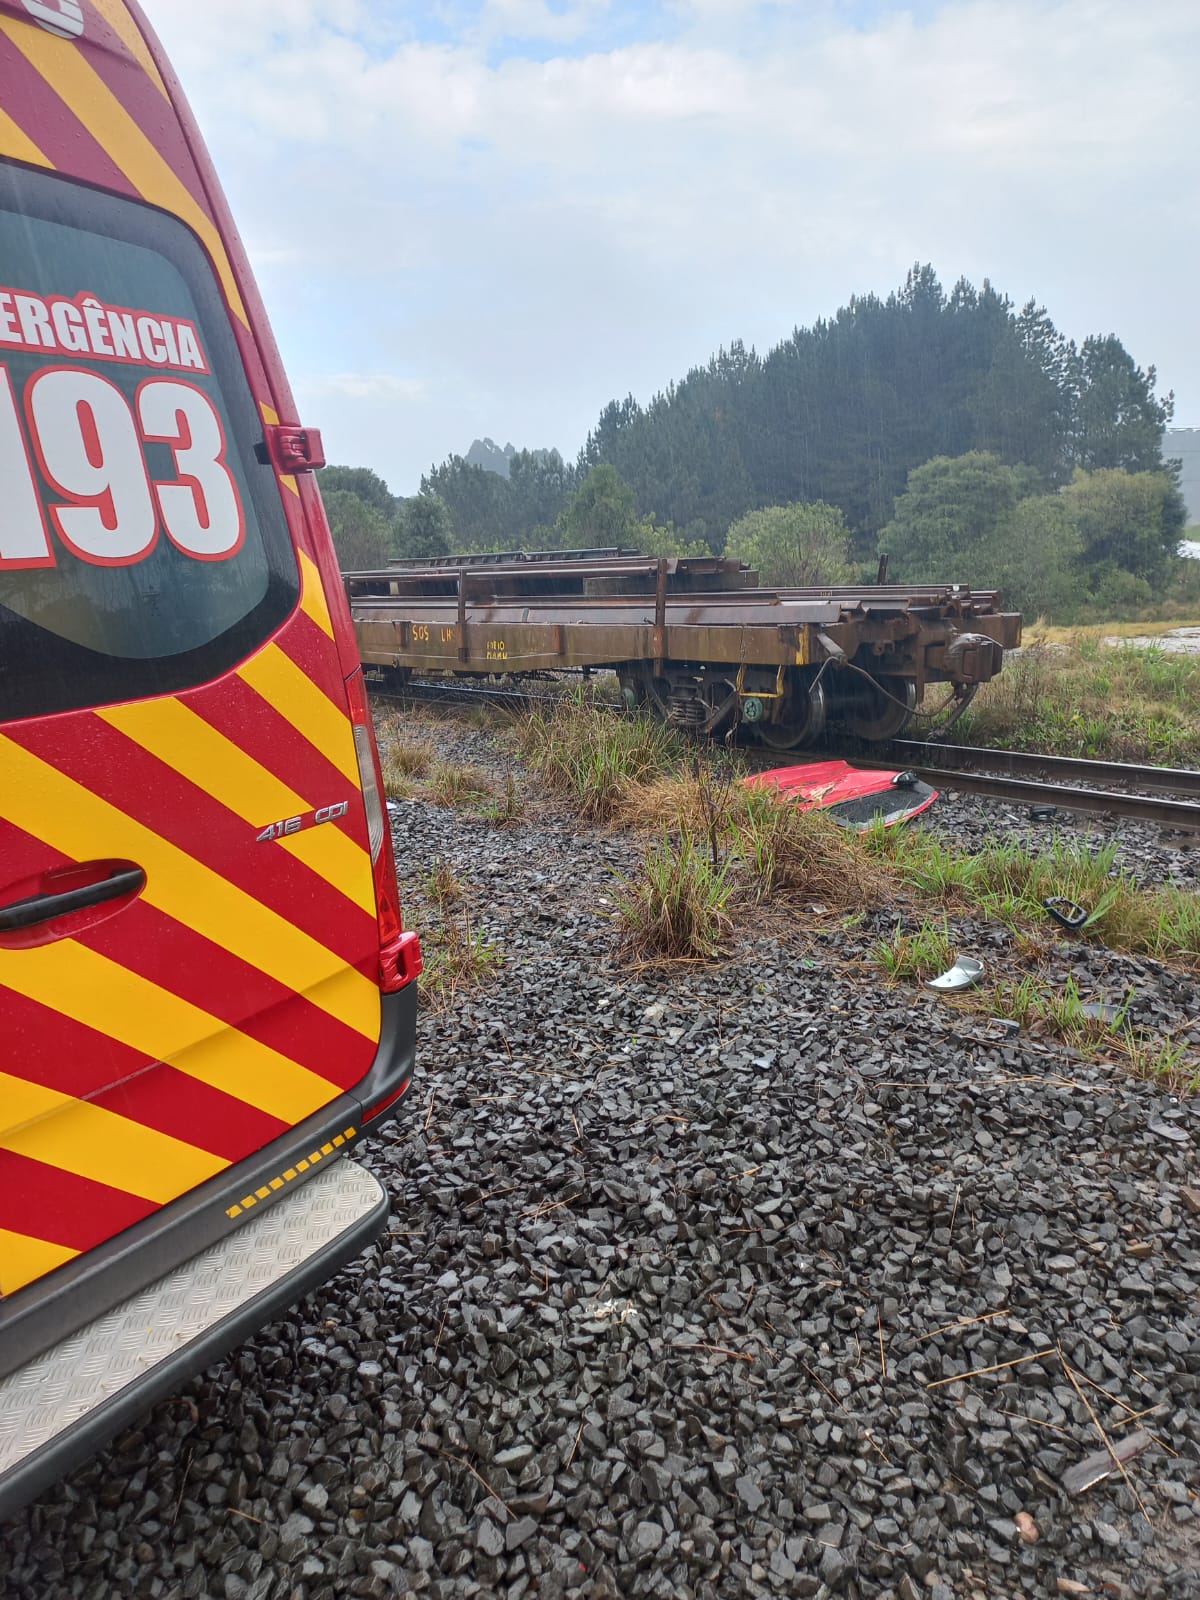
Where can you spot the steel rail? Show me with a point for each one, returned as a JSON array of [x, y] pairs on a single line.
[[1179, 816], [1179, 781]]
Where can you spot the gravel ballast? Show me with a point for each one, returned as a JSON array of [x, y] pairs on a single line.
[[680, 1263]]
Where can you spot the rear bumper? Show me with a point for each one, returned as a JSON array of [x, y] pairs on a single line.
[[74, 1295], [62, 1406]]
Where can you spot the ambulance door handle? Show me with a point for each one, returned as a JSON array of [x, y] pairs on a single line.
[[45, 907]]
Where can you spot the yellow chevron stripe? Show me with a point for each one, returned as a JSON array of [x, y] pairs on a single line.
[[122, 24], [91, 988], [271, 417], [89, 98], [174, 733], [15, 142], [293, 694], [94, 1143], [51, 806], [23, 1258], [312, 595]]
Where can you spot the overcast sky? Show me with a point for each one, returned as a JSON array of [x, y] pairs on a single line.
[[476, 217]]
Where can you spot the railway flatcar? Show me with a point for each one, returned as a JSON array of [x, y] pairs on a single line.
[[695, 640]]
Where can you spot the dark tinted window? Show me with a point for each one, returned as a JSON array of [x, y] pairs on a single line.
[[143, 547], [892, 805]]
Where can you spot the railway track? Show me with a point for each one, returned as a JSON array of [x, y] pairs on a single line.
[[1165, 797]]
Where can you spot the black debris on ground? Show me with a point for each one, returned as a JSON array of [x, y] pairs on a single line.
[[752, 1279]]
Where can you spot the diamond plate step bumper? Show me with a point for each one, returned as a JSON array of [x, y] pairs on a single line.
[[59, 1408]]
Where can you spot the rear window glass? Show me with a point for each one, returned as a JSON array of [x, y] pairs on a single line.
[[892, 806], [143, 547]]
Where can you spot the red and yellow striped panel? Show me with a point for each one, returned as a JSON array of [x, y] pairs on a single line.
[[95, 108], [238, 994], [234, 998]]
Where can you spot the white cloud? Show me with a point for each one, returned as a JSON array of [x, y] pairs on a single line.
[[538, 226], [361, 386]]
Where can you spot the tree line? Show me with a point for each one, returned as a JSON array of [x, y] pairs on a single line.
[[968, 441]]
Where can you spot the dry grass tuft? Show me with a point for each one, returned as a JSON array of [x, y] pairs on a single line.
[[675, 908], [794, 853], [457, 783], [592, 758], [403, 760]]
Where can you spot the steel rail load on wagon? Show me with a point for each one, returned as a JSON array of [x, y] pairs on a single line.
[[206, 993], [694, 639]]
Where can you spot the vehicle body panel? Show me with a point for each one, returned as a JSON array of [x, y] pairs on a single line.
[[151, 1044], [853, 795]]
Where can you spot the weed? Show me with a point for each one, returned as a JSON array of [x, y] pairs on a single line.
[[456, 783], [922, 954], [1162, 1060], [676, 907], [457, 957], [592, 758], [507, 807], [788, 851], [440, 884]]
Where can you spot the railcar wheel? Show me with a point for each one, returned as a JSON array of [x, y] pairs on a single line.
[[803, 724], [880, 709]]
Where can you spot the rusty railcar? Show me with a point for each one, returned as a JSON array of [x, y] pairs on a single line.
[[695, 639]]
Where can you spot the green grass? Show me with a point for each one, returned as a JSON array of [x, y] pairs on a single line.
[[918, 955], [1162, 1060], [1075, 695], [1008, 883], [457, 957], [1044, 1007], [676, 907], [591, 758]]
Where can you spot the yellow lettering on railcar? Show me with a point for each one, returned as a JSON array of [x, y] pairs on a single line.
[[497, 650], [420, 633], [449, 635]]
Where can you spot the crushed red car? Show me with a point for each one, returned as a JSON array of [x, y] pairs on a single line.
[[853, 796]]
